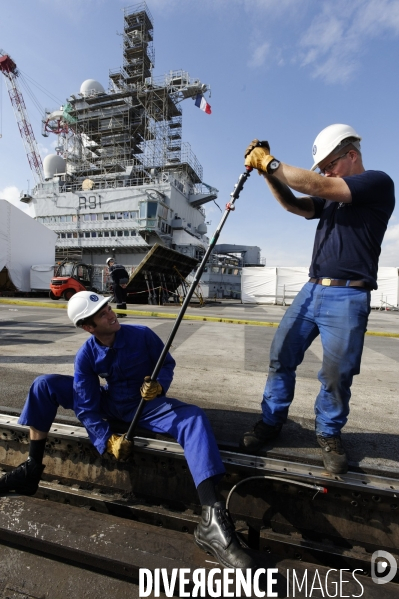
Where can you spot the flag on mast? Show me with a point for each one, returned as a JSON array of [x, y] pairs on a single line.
[[203, 104]]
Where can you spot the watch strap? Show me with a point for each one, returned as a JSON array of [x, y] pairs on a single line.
[[273, 166]]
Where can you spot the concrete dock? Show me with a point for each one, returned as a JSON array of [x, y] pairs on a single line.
[[222, 367]]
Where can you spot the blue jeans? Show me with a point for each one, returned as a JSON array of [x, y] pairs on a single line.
[[339, 315]]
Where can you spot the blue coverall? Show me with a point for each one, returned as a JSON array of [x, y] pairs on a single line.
[[133, 356]]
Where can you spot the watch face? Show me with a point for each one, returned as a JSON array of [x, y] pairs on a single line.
[[274, 164]]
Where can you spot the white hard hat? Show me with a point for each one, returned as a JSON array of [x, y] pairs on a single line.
[[330, 139], [84, 304], [108, 260]]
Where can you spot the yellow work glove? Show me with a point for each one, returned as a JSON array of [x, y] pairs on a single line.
[[119, 447], [150, 389], [254, 144], [258, 156]]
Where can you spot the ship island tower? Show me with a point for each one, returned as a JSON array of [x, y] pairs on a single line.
[[122, 179]]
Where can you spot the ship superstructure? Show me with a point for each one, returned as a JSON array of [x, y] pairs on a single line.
[[123, 179]]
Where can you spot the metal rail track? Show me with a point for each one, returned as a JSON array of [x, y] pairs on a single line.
[[281, 522], [119, 548], [253, 464]]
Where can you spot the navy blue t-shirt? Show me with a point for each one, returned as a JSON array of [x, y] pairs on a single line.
[[348, 237]]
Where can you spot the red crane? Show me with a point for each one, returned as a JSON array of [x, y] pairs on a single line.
[[10, 71]]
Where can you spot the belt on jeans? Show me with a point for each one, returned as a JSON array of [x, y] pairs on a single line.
[[339, 283]]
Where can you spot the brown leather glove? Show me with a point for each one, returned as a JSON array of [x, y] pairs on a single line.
[[150, 389], [119, 447], [255, 143]]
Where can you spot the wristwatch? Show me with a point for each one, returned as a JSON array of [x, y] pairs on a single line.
[[273, 166]]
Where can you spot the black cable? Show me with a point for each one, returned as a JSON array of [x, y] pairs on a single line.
[[314, 487], [214, 201], [42, 89], [31, 95]]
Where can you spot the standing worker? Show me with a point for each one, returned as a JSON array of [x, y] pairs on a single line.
[[353, 206], [120, 279], [124, 355]]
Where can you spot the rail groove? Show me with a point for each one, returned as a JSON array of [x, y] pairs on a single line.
[[152, 503]]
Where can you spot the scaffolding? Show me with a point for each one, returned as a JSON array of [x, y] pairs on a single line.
[[134, 130]]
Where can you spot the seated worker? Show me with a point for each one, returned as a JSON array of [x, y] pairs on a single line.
[[120, 279], [125, 355]]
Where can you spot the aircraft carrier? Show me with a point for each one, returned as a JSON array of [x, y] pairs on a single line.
[[122, 179]]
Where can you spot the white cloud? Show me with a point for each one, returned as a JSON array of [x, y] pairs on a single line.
[[12, 194], [43, 150], [390, 247], [259, 55], [392, 233], [270, 7], [378, 16], [335, 40], [332, 46], [73, 10]]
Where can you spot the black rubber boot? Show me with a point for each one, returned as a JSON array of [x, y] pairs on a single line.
[[215, 534], [253, 441], [24, 479], [334, 456]]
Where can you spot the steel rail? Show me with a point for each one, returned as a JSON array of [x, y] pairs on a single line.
[[41, 535], [356, 481], [357, 516], [186, 521]]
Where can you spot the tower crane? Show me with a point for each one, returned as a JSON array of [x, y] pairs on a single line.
[[10, 71]]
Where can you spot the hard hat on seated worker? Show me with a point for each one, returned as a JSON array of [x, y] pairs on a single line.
[[334, 137], [84, 304], [108, 260]]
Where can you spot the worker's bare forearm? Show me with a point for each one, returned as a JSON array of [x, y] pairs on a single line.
[[313, 184], [285, 197]]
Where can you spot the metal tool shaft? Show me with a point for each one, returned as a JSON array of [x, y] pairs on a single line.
[[229, 207]]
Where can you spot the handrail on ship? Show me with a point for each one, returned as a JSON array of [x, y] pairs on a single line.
[[63, 186]]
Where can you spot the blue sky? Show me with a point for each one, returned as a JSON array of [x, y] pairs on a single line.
[[280, 70]]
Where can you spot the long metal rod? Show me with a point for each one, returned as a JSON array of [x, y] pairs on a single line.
[[229, 207]]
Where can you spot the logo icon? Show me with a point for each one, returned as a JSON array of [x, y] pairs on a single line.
[[314, 149], [94, 298], [383, 567]]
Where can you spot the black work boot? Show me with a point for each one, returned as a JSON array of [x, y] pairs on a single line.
[[24, 479], [253, 441], [215, 534], [334, 456], [121, 307]]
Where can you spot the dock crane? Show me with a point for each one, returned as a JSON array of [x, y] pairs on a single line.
[[10, 72]]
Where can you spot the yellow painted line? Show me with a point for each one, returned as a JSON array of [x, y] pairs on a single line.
[[28, 303], [258, 323], [382, 334], [153, 314]]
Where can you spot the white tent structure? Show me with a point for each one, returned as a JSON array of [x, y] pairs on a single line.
[[23, 242], [279, 285], [387, 294], [272, 284]]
